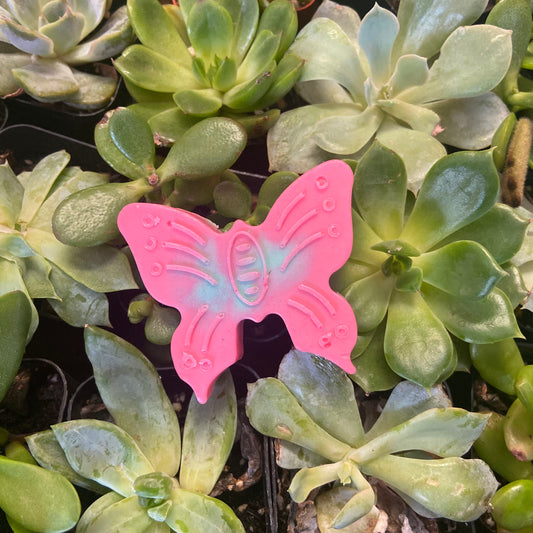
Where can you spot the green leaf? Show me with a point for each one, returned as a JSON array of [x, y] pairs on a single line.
[[26, 12], [364, 240], [308, 479], [274, 411], [524, 386], [132, 392], [245, 16], [11, 196], [55, 505], [498, 363], [92, 13], [280, 18], [208, 436], [206, 149], [199, 102], [103, 452], [303, 374], [191, 511], [26, 39], [380, 180], [417, 345], [94, 91], [15, 321], [261, 54], [39, 183], [462, 268], [233, 199], [36, 275], [226, 75], [96, 509], [510, 505], [518, 431], [458, 189], [210, 30], [65, 32], [454, 488], [411, 70], [486, 320]]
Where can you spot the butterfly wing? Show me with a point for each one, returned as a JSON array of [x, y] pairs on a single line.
[[307, 236]]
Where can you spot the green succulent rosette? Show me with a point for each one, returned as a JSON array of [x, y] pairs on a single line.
[[41, 41], [32, 261], [412, 81], [207, 58], [426, 273]]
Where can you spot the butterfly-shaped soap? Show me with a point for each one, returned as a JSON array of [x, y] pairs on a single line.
[[217, 279]]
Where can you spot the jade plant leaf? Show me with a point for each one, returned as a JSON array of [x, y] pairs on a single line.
[[11, 197], [120, 368], [518, 431], [510, 506]]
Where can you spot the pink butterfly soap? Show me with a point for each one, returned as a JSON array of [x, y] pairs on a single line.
[[283, 266]]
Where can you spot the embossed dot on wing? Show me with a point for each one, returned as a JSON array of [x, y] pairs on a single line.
[[156, 269], [321, 183], [150, 221]]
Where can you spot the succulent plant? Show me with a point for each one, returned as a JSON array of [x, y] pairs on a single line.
[[425, 273], [413, 82], [138, 457], [41, 41], [415, 446], [209, 58], [73, 280]]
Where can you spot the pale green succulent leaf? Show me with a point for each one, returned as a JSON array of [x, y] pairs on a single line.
[[145, 15], [417, 117], [350, 272], [154, 71], [518, 431], [55, 505], [75, 303], [357, 510], [132, 391], [245, 16], [369, 298], [226, 75], [319, 41], [93, 92], [303, 374], [93, 12], [346, 135], [470, 123], [417, 345], [260, 55], [46, 450], [274, 411], [418, 150], [65, 32], [171, 124], [345, 16], [454, 488], [309, 479], [462, 268], [292, 457], [96, 509], [192, 511], [109, 41], [25, 11], [103, 452], [208, 436], [323, 92], [486, 320], [513, 285], [26, 39], [364, 239], [46, 80], [280, 18], [410, 70], [101, 268], [39, 183], [36, 274], [377, 34], [199, 102], [8, 61], [457, 190], [210, 30], [426, 24], [485, 53], [244, 96], [11, 196]]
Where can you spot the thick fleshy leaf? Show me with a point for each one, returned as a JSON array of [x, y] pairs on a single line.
[[261, 54], [380, 179], [309, 479], [486, 320], [96, 508], [145, 15], [48, 453], [208, 436], [245, 16], [377, 33], [8, 83], [46, 80], [417, 345], [405, 402], [363, 241], [191, 511], [510, 506], [518, 431], [293, 457], [418, 150], [485, 53], [513, 285], [132, 392], [75, 303], [470, 123], [25, 39], [524, 386], [93, 92], [457, 190], [461, 268], [39, 183], [275, 412], [11, 196], [103, 452], [411, 70], [36, 274], [154, 71], [500, 231], [15, 321], [101, 268], [319, 41], [93, 12], [415, 116], [199, 102], [65, 32], [55, 505], [304, 374], [425, 24], [25, 11], [454, 488], [447, 432]]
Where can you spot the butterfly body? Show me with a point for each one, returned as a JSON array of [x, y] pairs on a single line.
[[217, 279]]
